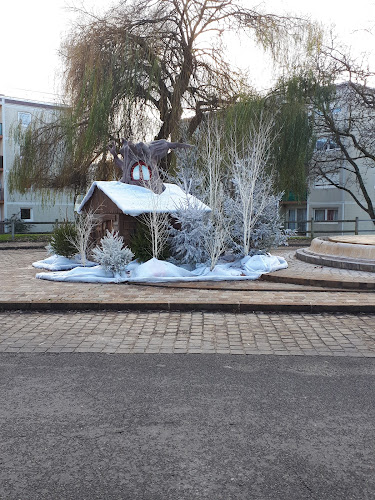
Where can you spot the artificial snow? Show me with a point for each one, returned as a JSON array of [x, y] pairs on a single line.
[[60, 263], [94, 274], [158, 271], [136, 200]]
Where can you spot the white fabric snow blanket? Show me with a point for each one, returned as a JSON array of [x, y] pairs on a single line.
[[94, 274], [60, 263], [158, 271]]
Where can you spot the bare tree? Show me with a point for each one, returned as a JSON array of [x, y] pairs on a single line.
[[344, 118], [157, 222], [249, 165], [85, 223], [213, 189]]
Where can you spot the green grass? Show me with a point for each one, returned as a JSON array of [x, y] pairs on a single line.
[[24, 237]]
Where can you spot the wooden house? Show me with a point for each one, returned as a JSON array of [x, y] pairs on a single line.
[[118, 205]]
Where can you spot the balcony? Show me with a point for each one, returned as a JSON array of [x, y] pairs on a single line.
[[292, 198]]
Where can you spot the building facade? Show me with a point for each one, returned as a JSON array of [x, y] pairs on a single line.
[[343, 159], [29, 207]]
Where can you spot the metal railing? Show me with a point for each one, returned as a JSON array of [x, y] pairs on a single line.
[[25, 228], [311, 226]]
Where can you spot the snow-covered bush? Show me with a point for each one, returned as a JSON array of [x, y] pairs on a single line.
[[111, 254], [188, 235], [267, 229], [63, 238]]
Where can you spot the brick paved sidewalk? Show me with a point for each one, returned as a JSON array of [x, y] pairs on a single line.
[[188, 333], [20, 290]]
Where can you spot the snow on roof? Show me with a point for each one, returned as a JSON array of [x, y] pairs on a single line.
[[135, 200]]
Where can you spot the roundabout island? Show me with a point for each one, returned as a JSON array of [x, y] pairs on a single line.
[[356, 252]]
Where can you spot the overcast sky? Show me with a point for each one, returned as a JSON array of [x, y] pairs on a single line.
[[32, 31]]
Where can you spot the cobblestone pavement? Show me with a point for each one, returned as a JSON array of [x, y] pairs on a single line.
[[19, 287], [189, 333]]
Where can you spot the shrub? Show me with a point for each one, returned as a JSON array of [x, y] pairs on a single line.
[[111, 254], [141, 244], [20, 226], [63, 239]]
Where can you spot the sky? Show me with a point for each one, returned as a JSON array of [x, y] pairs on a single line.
[[32, 32]]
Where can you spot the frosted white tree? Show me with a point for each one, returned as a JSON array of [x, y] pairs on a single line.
[[85, 223], [157, 222], [236, 181], [188, 234], [111, 253], [249, 164], [187, 175], [213, 190], [188, 241]]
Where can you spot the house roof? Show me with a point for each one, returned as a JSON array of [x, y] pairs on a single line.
[[135, 200]]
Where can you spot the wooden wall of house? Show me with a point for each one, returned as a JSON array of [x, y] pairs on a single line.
[[110, 216], [101, 204], [127, 227]]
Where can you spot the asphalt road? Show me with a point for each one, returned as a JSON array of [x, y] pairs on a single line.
[[220, 427]]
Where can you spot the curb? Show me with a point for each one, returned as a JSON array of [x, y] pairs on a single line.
[[306, 255], [25, 247], [324, 283], [188, 306]]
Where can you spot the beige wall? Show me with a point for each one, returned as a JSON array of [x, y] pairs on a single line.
[[56, 207]]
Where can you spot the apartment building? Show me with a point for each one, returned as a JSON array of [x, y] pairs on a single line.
[[28, 207], [343, 157]]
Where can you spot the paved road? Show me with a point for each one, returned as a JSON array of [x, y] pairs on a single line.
[[172, 427], [77, 423], [192, 333]]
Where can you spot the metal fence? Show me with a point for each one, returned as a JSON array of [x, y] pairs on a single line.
[[312, 227], [21, 227], [309, 227]]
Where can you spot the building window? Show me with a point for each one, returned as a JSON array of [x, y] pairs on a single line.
[[26, 214], [322, 183], [326, 144], [140, 172], [297, 219], [24, 119], [326, 214]]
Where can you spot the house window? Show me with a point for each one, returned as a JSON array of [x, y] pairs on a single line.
[[140, 172], [326, 214], [24, 119], [26, 214]]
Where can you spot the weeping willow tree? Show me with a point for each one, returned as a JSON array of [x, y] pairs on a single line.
[[133, 72], [292, 132], [295, 144]]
